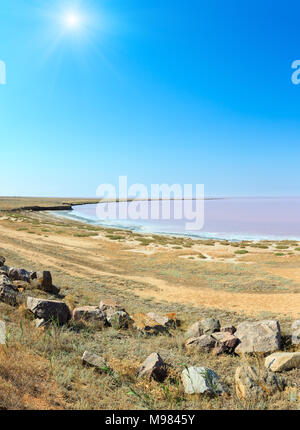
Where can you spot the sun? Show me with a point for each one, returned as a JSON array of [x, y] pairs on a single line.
[[72, 20]]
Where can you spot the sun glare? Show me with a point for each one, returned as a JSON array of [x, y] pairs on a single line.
[[72, 20]]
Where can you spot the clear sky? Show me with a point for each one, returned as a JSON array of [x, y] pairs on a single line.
[[163, 91]]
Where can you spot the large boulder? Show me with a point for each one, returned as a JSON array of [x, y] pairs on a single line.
[[200, 380], [204, 343], [94, 360], [2, 333], [296, 332], [49, 310], [256, 384], [16, 274], [206, 326], [226, 343], [153, 368], [219, 343], [229, 329], [147, 325], [258, 337], [2, 261], [283, 361], [8, 292], [89, 313]]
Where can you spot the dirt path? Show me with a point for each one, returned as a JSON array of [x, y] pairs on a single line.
[[85, 256]]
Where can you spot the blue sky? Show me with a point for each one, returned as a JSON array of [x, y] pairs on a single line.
[[165, 91]]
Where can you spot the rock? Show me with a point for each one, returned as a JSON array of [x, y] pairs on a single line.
[[4, 270], [94, 360], [164, 320], [210, 325], [2, 333], [110, 307], [89, 313], [18, 274], [261, 336], [206, 326], [200, 380], [204, 343], [40, 322], [43, 281], [296, 332], [255, 384], [283, 361], [147, 325], [2, 261], [153, 368], [49, 310], [119, 320], [229, 329], [8, 292], [225, 343]]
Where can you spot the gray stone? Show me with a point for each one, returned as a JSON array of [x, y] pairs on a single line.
[[258, 337], [16, 274], [153, 368], [228, 329], [206, 326], [89, 313], [256, 384], [163, 320], [225, 343], [283, 361], [94, 360], [119, 320], [2, 333], [110, 306], [296, 332], [49, 310], [204, 343], [200, 380], [8, 292]]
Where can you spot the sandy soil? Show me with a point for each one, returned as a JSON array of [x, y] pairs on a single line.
[[57, 245]]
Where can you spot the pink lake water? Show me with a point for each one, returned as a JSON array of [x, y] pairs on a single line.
[[228, 218]]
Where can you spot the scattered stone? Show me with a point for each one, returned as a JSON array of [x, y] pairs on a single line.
[[110, 306], [18, 274], [119, 320], [204, 343], [49, 310], [206, 326], [43, 281], [261, 336], [229, 329], [8, 292], [147, 325], [2, 261], [255, 384], [200, 380], [225, 343], [2, 333], [296, 332], [94, 360], [283, 361], [168, 321], [153, 368], [89, 313]]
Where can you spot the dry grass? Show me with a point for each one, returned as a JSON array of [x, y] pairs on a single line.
[[42, 369]]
